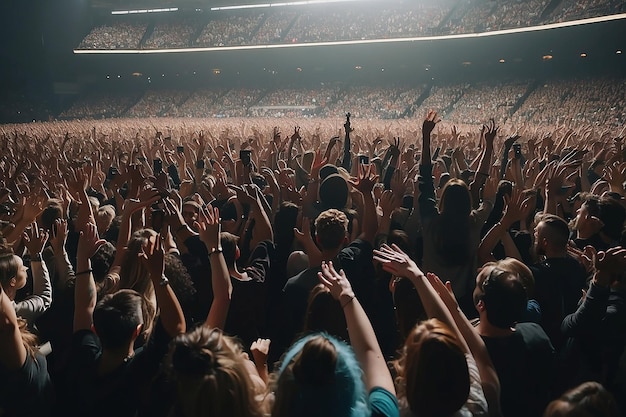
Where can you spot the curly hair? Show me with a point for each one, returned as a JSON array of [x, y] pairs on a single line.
[[330, 228]]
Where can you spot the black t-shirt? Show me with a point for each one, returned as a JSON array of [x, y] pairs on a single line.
[[356, 261], [246, 313], [524, 363], [558, 285], [26, 391], [120, 392]]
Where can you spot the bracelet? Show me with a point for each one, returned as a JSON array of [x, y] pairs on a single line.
[[36, 257], [348, 302], [86, 271], [216, 250], [164, 281]]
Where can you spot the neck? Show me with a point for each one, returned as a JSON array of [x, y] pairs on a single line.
[[10, 292], [113, 359], [330, 254], [489, 330]]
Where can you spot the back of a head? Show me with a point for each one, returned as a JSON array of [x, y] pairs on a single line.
[[613, 215], [333, 192], [52, 212], [330, 228], [116, 318], [228, 241], [455, 199], [555, 231], [324, 314], [432, 371], [504, 297], [319, 376], [211, 377], [285, 220], [589, 399], [452, 228], [8, 262]]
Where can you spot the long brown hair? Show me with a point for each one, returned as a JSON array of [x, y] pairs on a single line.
[[432, 371], [452, 228]]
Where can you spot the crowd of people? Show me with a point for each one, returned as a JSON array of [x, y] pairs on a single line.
[[594, 101], [339, 22], [340, 267]]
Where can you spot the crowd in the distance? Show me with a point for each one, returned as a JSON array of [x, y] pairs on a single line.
[[339, 22], [594, 101], [187, 267]]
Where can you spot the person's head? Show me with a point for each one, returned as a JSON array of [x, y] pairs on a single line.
[[118, 319], [407, 305], [324, 314], [230, 250], [590, 399], [190, 212], [612, 215], [452, 229], [104, 218], [133, 273], [232, 216], [432, 371], [551, 235], [333, 192], [500, 296], [455, 199], [331, 228], [319, 376], [13, 273], [587, 222], [52, 212], [285, 220], [211, 375]]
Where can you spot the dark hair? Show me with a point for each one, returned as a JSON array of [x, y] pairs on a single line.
[[504, 297], [558, 231], [116, 318], [452, 228], [613, 215], [324, 314], [285, 220], [50, 214]]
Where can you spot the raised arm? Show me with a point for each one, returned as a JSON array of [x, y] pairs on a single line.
[[171, 313], [490, 132], [85, 289], [488, 375], [41, 299], [362, 336], [346, 161], [209, 229]]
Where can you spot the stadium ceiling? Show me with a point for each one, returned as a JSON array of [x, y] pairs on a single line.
[[191, 4]]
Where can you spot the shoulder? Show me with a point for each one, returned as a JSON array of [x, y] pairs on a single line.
[[383, 403], [533, 336], [356, 248]]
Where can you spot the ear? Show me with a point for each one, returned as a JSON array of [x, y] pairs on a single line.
[[237, 252], [137, 331], [13, 282], [480, 306]]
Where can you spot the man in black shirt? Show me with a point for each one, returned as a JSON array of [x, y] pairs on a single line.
[[559, 278]]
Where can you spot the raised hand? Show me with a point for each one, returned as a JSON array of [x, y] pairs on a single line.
[[89, 242], [209, 227], [490, 130], [430, 122], [365, 180], [35, 239], [59, 236], [153, 258], [336, 282], [396, 262]]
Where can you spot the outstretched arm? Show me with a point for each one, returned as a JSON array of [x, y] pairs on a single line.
[[209, 229], [362, 336], [85, 289]]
